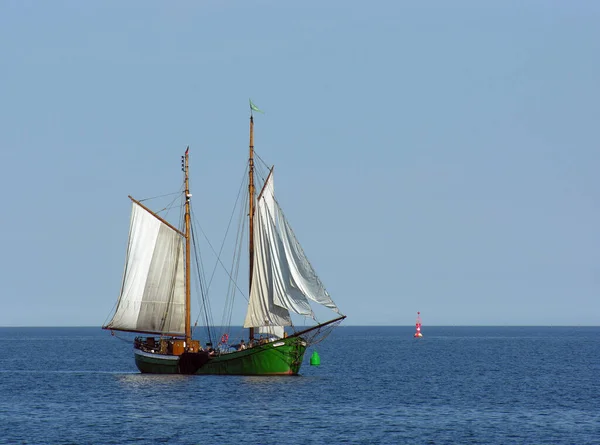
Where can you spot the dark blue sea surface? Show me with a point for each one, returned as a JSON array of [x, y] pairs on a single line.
[[375, 385]]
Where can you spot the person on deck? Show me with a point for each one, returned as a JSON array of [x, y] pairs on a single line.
[[242, 345]]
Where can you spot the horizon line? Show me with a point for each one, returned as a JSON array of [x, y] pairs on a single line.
[[353, 326]]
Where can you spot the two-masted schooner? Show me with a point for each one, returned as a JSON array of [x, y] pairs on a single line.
[[155, 293]]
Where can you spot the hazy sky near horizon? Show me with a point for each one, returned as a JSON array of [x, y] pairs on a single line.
[[434, 156]]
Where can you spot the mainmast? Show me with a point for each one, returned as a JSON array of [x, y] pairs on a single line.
[[251, 192], [188, 299]]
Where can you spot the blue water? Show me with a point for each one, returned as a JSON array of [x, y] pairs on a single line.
[[375, 385]]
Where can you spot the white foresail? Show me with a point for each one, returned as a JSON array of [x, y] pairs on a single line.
[[153, 292], [283, 279], [272, 331], [303, 276]]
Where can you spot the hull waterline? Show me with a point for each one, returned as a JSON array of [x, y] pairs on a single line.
[[281, 357]]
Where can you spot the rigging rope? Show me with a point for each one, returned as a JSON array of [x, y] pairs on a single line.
[[205, 302], [235, 268], [160, 196], [219, 261]]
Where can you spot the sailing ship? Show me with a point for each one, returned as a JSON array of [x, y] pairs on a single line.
[[155, 297]]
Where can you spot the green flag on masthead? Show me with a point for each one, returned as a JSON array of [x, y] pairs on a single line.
[[255, 108]]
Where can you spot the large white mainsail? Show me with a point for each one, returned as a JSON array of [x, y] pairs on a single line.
[[283, 279], [152, 296]]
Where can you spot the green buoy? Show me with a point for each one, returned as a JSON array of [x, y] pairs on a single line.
[[315, 360]]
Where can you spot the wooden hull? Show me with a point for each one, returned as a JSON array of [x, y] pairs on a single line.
[[281, 357]]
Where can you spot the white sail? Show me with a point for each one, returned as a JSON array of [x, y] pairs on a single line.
[[153, 292], [282, 280], [303, 276], [265, 274], [272, 331]]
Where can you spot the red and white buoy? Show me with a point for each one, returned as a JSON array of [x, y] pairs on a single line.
[[418, 332]]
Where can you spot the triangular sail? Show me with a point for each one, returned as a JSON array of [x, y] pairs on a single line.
[[283, 280], [152, 296]]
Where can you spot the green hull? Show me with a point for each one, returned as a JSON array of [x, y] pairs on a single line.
[[282, 357]]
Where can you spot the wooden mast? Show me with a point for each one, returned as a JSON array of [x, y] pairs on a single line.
[[188, 299], [251, 191]]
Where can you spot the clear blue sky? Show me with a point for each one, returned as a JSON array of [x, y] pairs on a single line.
[[434, 156]]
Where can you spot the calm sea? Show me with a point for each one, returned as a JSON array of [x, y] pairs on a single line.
[[375, 385]]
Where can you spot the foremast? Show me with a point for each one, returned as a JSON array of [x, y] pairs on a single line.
[[188, 299]]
